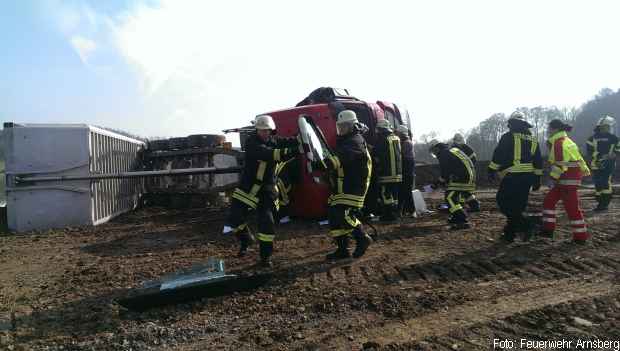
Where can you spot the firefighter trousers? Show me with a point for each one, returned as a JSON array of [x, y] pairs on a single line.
[[388, 197], [570, 198], [342, 220], [603, 182], [512, 198], [265, 210]]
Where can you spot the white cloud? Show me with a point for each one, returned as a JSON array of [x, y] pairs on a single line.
[[205, 66], [84, 47]]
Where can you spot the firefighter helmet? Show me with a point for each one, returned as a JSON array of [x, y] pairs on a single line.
[[434, 146], [347, 119], [458, 139], [518, 115], [264, 122], [403, 129], [517, 120], [346, 116], [384, 124], [606, 121], [433, 143]]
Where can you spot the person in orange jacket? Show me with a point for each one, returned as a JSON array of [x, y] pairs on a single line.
[[567, 169]]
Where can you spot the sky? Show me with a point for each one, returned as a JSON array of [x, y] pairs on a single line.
[[181, 67]]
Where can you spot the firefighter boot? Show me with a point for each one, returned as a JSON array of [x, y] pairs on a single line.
[[600, 203], [342, 252], [473, 205], [526, 229], [508, 235], [266, 249], [362, 241], [459, 221], [603, 204], [245, 240]]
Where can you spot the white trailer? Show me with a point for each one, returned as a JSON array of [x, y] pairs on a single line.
[[72, 150]]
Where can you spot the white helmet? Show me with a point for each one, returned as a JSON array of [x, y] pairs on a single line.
[[403, 129], [384, 124], [345, 122], [346, 116], [264, 122], [518, 115], [606, 121], [458, 139]]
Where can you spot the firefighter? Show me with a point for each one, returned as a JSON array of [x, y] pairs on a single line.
[[350, 169], [257, 189], [459, 176], [387, 159], [602, 149], [567, 169], [405, 198], [459, 142], [518, 161]]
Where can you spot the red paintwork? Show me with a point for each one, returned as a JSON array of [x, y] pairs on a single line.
[[310, 199]]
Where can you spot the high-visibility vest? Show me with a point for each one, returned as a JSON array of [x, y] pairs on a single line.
[[567, 164]]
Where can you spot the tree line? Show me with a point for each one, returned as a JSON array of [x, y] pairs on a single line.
[[484, 137]]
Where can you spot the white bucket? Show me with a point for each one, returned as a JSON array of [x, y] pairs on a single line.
[[420, 204]]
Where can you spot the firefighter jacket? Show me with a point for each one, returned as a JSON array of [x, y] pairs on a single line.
[[388, 158], [467, 150], [457, 170], [350, 170], [567, 165], [517, 152], [602, 147], [261, 159]]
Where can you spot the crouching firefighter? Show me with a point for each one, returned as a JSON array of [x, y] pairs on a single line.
[[388, 165], [457, 172], [257, 189], [459, 142], [567, 169], [602, 149], [350, 169], [518, 161]]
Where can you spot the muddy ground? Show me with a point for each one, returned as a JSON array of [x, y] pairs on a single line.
[[420, 287]]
